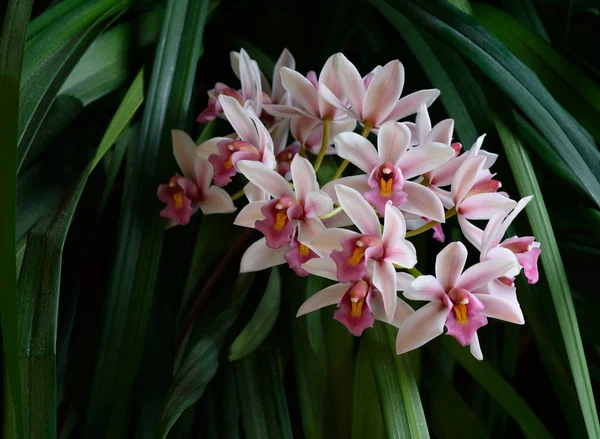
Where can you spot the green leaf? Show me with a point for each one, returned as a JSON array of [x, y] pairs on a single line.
[[518, 82], [398, 395], [50, 16], [262, 321], [499, 388], [39, 286], [132, 282], [262, 398], [527, 183], [12, 41]]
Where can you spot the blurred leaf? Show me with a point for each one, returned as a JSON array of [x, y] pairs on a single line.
[[553, 267], [132, 282], [366, 419], [519, 83], [262, 398], [525, 12], [50, 16], [262, 321], [12, 41], [499, 388], [398, 396]]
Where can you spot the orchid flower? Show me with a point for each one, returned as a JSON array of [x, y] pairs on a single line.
[[359, 302], [352, 251], [422, 132], [453, 302], [389, 168], [183, 195], [476, 198], [292, 214], [373, 100], [255, 143]]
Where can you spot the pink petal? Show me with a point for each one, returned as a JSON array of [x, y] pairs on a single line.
[[277, 234], [250, 214], [309, 229], [422, 201], [279, 110], [384, 279], [443, 175], [473, 233], [485, 206], [317, 203], [464, 332], [351, 264], [323, 267], [301, 90], [216, 200], [302, 127], [330, 240], [465, 178], [424, 158], [423, 124], [425, 288], [254, 193], [361, 213], [356, 324], [394, 225], [392, 142], [491, 236], [383, 92], [441, 132], [356, 182], [484, 272], [330, 97], [204, 173], [303, 177], [510, 218], [266, 179], [410, 104], [357, 150], [184, 149], [210, 147], [497, 308], [424, 325], [239, 119], [285, 60], [476, 348], [450, 263], [326, 297], [259, 257], [329, 78], [403, 280], [250, 80], [351, 83], [403, 311], [297, 255], [280, 133], [444, 196]]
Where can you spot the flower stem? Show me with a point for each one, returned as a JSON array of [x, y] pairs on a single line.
[[413, 271], [365, 132], [237, 195], [326, 129], [302, 151], [430, 224], [334, 212]]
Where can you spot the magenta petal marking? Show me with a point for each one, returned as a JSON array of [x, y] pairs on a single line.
[[351, 261], [230, 152], [456, 146], [354, 309], [276, 226], [438, 233], [465, 318], [297, 255], [527, 252], [284, 160], [312, 78], [386, 182], [178, 195], [213, 109]]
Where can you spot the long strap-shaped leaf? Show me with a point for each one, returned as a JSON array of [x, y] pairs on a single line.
[[469, 38], [12, 41], [555, 272], [39, 286], [132, 283]]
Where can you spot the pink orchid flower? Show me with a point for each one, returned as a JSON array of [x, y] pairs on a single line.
[[254, 144], [352, 251], [359, 302], [453, 302], [390, 166], [374, 100], [183, 195], [476, 198]]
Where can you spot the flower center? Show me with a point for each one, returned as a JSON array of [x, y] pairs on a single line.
[[358, 293], [386, 180], [357, 305], [358, 254], [303, 250], [280, 218], [460, 311], [178, 198]]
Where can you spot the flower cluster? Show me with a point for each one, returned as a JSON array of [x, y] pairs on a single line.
[[354, 229]]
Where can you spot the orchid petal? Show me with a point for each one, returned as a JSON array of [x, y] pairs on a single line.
[[351, 82], [329, 240], [303, 177], [394, 226], [216, 200], [239, 119], [403, 311], [326, 297], [254, 193], [491, 236], [410, 104], [473, 233], [444, 175], [208, 148], [497, 308], [285, 111], [266, 179], [401, 252], [383, 92], [329, 78], [234, 59], [504, 253], [259, 257], [475, 348], [511, 217], [444, 196], [485, 206], [330, 97], [423, 123], [450, 263], [250, 80], [250, 214], [285, 60], [357, 208], [184, 150], [384, 279], [300, 89], [317, 203], [423, 202], [302, 127], [465, 178], [484, 272], [323, 267], [441, 132], [360, 183], [425, 288], [357, 150], [403, 281], [424, 158], [424, 325], [392, 142], [309, 229], [204, 173]]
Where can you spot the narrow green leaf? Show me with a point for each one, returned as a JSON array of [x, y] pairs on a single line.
[[527, 183], [50, 16], [262, 322], [12, 41], [366, 419]]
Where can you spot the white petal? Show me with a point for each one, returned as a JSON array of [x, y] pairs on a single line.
[[265, 178], [326, 297], [485, 206], [384, 279], [285, 111], [208, 148], [424, 325], [330, 97], [329, 240], [250, 214], [441, 132], [357, 150], [410, 104], [254, 193], [285, 60], [403, 311], [303, 177], [323, 267], [511, 217], [394, 225], [383, 92], [309, 229], [497, 308], [423, 123], [476, 348], [301, 90], [357, 208], [392, 141], [424, 158], [473, 233], [465, 178], [351, 82], [216, 200], [401, 252], [403, 280], [423, 202], [484, 272], [425, 288], [184, 150], [239, 119], [449, 264], [250, 80], [259, 257], [356, 182], [204, 173], [317, 203]]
